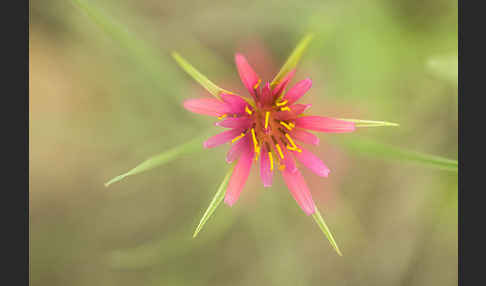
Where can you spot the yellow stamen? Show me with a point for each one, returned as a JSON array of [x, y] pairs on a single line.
[[257, 84], [279, 151], [291, 124], [237, 138], [285, 108], [255, 142], [290, 140], [267, 115], [271, 160], [248, 110], [222, 116], [286, 125], [281, 103]]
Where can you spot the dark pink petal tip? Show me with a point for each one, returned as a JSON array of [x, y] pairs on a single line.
[[324, 124]]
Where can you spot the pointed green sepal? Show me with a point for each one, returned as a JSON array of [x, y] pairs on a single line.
[[161, 159], [217, 199], [369, 123], [199, 77], [293, 59], [322, 225]]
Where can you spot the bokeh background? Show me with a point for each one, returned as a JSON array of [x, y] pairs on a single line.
[[105, 95]]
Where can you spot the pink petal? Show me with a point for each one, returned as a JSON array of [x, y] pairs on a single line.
[[239, 177], [237, 148], [206, 106], [222, 138], [277, 90], [265, 173], [299, 190], [235, 122], [298, 90], [247, 75], [312, 162], [304, 136], [324, 124], [288, 161], [295, 110], [235, 102]]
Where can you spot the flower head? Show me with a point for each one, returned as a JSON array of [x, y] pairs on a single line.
[[268, 128]]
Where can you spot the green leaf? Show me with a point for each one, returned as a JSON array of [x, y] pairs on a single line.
[[376, 149], [161, 159], [369, 123], [322, 225], [200, 78], [217, 199], [293, 59]]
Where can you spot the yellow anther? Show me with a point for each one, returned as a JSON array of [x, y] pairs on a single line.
[[291, 124], [271, 160], [286, 125], [255, 141], [222, 116], [290, 140], [281, 103], [237, 138], [248, 110], [279, 151], [291, 148], [285, 108], [267, 115], [257, 84]]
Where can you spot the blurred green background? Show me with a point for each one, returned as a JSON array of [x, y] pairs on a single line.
[[105, 95]]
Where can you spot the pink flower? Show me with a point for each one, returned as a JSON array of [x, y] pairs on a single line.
[[269, 126]]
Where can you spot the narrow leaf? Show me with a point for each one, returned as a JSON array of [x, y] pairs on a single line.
[[161, 159], [200, 78], [217, 199], [369, 123], [373, 148], [293, 59], [322, 225]]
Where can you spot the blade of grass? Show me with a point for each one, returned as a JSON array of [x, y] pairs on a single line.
[[369, 123], [200, 78], [293, 59], [161, 159], [217, 199], [149, 59], [373, 148], [323, 226]]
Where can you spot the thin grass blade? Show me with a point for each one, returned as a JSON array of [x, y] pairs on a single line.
[[372, 148], [217, 199], [323, 226], [161, 159], [369, 123], [199, 77], [293, 59]]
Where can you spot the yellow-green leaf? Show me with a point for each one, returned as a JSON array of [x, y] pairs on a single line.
[[293, 59], [323, 226], [199, 77], [217, 199]]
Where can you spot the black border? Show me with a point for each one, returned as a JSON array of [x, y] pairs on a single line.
[[15, 140]]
